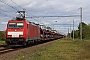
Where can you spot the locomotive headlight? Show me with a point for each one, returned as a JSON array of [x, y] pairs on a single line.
[[21, 34]]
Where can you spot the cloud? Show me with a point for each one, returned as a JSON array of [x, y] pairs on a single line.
[[48, 8], [3, 23]]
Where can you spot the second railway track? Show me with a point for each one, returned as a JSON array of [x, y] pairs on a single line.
[[10, 55], [6, 49]]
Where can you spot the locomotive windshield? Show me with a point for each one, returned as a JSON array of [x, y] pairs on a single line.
[[15, 25]]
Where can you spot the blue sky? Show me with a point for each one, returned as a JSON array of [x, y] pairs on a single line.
[[46, 8]]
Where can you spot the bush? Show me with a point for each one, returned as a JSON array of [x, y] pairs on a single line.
[[2, 35]]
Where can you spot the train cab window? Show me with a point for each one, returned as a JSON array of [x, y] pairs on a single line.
[[11, 25], [20, 25], [15, 25]]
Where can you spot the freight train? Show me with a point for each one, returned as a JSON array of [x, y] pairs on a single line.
[[22, 32]]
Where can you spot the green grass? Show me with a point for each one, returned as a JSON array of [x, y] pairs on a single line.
[[2, 42], [63, 50]]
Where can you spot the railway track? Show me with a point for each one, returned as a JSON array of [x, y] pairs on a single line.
[[6, 49], [3, 45], [15, 52]]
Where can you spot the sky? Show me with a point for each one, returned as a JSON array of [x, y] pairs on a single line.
[[8, 9]]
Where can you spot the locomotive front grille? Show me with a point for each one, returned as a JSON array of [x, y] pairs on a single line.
[[13, 41]]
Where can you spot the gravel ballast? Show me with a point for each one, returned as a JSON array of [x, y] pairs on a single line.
[[15, 54]]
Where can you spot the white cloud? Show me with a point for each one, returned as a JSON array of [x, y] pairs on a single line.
[[43, 8], [4, 23]]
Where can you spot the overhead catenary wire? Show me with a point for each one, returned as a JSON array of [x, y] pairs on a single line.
[[8, 5], [11, 7], [29, 15], [5, 15], [10, 14], [17, 4], [51, 6], [54, 16], [4, 10], [23, 9], [46, 16]]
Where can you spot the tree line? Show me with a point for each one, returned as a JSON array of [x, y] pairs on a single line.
[[85, 31], [2, 35]]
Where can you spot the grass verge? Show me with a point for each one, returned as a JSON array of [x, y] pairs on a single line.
[[62, 50]]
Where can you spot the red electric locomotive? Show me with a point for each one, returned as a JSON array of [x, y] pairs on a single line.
[[21, 32]]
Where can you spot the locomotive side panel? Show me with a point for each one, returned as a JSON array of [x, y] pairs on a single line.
[[32, 32]]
